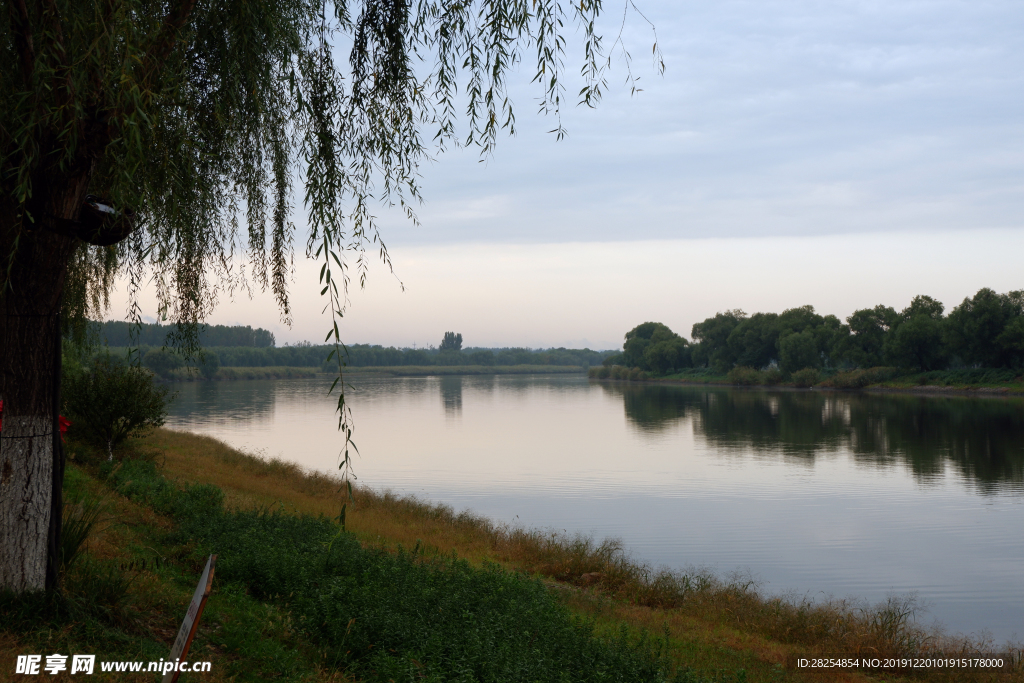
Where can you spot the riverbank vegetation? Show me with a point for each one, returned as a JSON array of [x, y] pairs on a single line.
[[227, 373], [169, 364], [980, 342], [411, 590]]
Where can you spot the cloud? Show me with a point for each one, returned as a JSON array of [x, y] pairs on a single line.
[[773, 118]]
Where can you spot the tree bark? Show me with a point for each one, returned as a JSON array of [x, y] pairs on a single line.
[[29, 387]]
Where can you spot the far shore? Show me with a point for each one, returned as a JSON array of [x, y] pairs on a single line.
[[894, 387], [288, 372], [899, 385]]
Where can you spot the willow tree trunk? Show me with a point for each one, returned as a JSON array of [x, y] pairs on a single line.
[[31, 459]]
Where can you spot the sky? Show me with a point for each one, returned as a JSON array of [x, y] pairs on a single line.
[[840, 154]]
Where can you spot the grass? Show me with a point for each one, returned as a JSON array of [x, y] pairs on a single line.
[[297, 598], [289, 585], [712, 623]]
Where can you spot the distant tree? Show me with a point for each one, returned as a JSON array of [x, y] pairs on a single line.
[[162, 361], [798, 320], [417, 357], [1011, 340], [830, 336], [451, 342], [917, 343], [667, 355], [975, 327], [923, 304], [712, 340], [655, 347], [799, 350], [868, 329], [209, 365], [481, 357], [753, 342]]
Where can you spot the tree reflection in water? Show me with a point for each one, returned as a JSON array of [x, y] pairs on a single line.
[[451, 395], [982, 438]]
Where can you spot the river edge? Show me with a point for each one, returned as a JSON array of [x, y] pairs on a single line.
[[287, 372], [979, 391], [715, 626]]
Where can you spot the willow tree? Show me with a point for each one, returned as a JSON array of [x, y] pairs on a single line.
[[166, 139]]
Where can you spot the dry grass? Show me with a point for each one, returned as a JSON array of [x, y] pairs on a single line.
[[712, 615]]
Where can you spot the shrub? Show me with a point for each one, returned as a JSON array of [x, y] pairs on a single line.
[[807, 377], [772, 376], [162, 361], [858, 379], [111, 402], [210, 366], [744, 376]]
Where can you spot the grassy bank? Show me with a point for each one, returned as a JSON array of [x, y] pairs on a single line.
[[297, 600]]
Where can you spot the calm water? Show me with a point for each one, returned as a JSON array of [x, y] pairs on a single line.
[[810, 492]]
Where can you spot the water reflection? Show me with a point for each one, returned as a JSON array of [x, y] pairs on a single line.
[[451, 395], [981, 439], [228, 401], [811, 491]]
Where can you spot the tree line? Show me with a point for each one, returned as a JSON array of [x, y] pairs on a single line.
[[119, 333], [983, 331], [162, 360]]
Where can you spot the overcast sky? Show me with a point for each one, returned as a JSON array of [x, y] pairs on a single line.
[[837, 153]]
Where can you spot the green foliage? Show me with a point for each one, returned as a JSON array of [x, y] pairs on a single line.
[[80, 515], [923, 305], [745, 376], [860, 378], [481, 357], [868, 328], [986, 330], [120, 333], [668, 355], [450, 357], [753, 342], [620, 372], [977, 329], [798, 350], [381, 616], [112, 401], [654, 347], [209, 364], [451, 342], [917, 343], [806, 377], [162, 361], [712, 338], [139, 480]]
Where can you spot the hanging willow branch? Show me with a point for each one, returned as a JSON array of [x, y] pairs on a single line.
[[188, 121]]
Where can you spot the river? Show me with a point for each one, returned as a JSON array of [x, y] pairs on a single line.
[[811, 493]]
